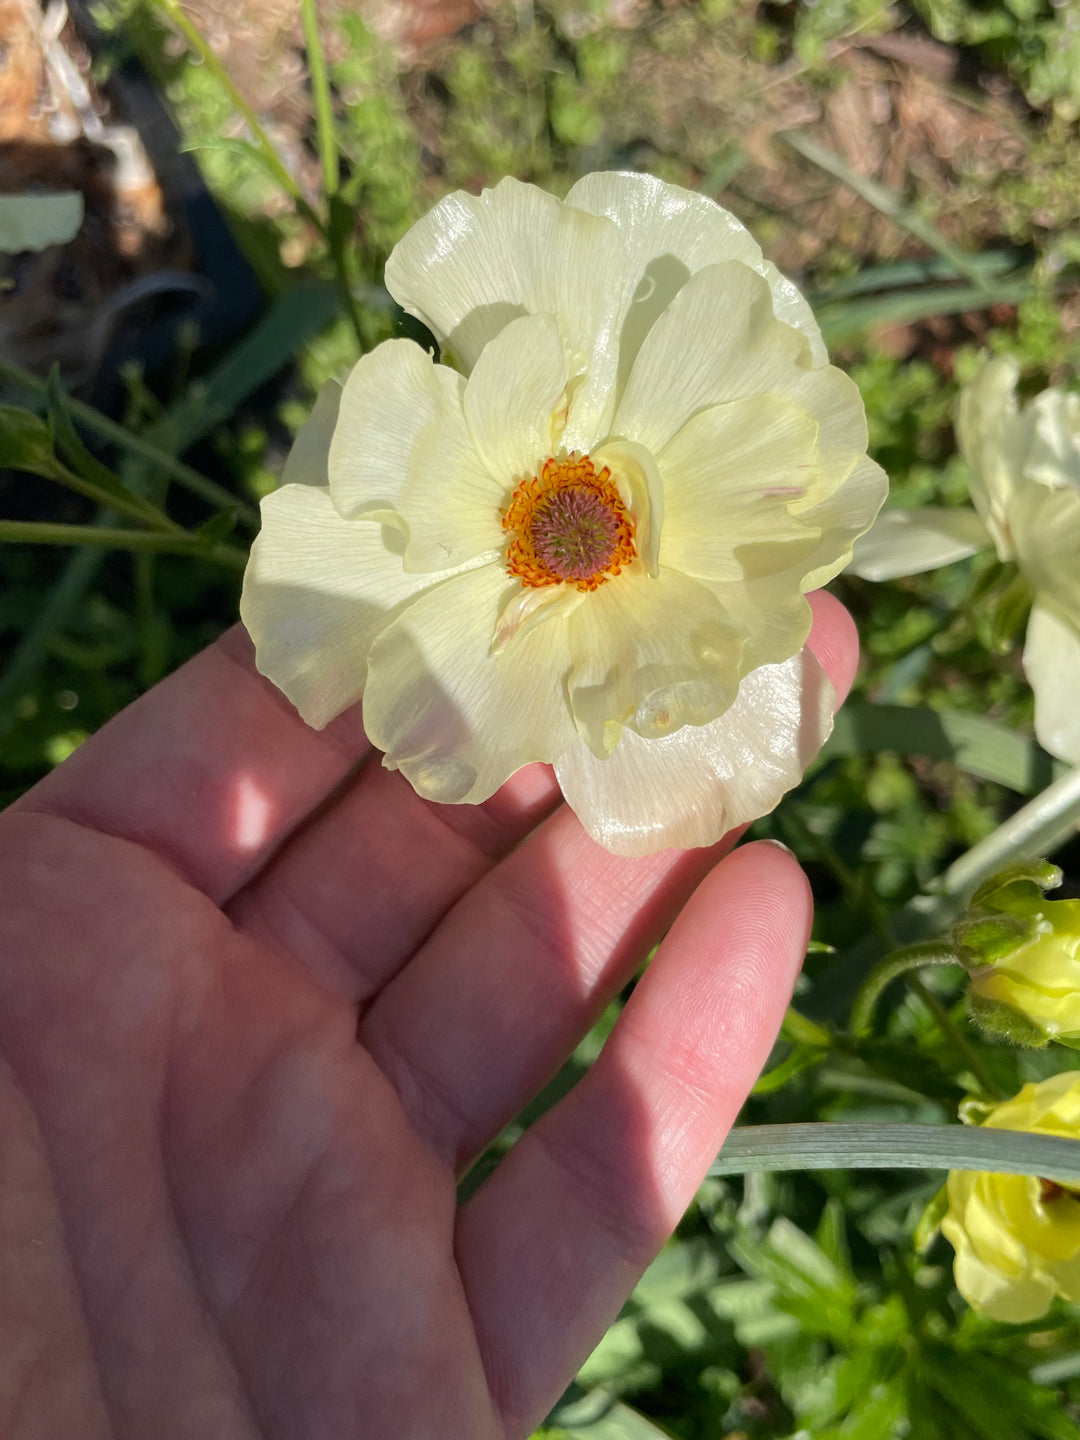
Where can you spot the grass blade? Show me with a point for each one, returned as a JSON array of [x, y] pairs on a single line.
[[977, 745], [324, 105], [897, 1147], [885, 201]]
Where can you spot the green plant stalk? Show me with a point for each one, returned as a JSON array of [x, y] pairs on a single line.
[[336, 244], [34, 532], [133, 506], [324, 107], [125, 439], [899, 962], [798, 1029], [832, 1146], [970, 1052], [195, 39]]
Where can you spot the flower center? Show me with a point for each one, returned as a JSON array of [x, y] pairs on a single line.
[[568, 525]]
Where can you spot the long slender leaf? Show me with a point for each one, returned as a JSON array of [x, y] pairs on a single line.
[[844, 319], [884, 201], [897, 1147], [135, 444], [324, 105], [872, 279], [974, 743]]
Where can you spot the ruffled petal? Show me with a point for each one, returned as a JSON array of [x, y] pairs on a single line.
[[670, 234], [308, 460], [456, 719], [991, 440], [1053, 455], [476, 262], [718, 341], [770, 608], [513, 399], [1045, 527], [842, 518], [402, 453], [987, 1290], [1052, 666], [650, 654], [317, 590], [692, 787], [732, 476], [907, 542]]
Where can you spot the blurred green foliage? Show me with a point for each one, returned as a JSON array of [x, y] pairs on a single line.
[[789, 1305]]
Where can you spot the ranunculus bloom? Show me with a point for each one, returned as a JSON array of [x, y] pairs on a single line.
[[589, 542], [1016, 1237], [1024, 467]]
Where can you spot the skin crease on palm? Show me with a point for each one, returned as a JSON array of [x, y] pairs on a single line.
[[261, 1006]]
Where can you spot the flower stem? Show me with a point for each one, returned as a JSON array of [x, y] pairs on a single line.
[[33, 532], [957, 1036], [324, 109], [899, 962], [125, 439], [266, 146]]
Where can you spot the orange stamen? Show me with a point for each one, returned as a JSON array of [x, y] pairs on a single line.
[[569, 526]]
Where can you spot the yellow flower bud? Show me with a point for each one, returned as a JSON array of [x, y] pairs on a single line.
[[1040, 978], [1017, 1237]]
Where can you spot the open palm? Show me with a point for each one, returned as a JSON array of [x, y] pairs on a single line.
[[259, 1007]]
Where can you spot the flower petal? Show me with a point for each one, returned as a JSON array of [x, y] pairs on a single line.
[[907, 542], [770, 608], [1046, 540], [317, 590], [308, 460], [670, 234], [692, 787], [454, 717], [719, 340], [401, 438], [476, 262], [732, 476], [641, 487], [991, 441], [1052, 666], [842, 518], [650, 654], [513, 399]]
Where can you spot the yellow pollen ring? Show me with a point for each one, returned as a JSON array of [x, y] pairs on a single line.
[[568, 526]]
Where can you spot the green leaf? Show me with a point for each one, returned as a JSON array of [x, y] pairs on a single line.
[[219, 527], [324, 104], [26, 444], [33, 222], [977, 745], [885, 201], [994, 891], [596, 1415], [70, 445], [897, 1147], [930, 1220], [847, 319], [994, 1401]]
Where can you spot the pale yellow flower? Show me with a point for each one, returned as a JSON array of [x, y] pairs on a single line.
[[1024, 466], [1040, 978], [1017, 1237], [590, 542]]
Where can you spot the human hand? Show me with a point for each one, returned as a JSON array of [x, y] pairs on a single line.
[[259, 1007]]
